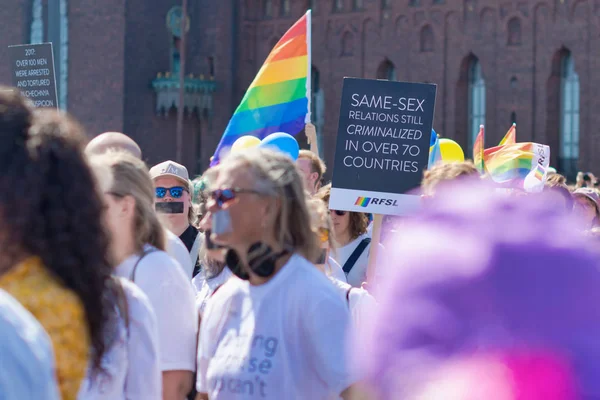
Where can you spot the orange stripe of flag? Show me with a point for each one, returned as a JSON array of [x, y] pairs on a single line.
[[294, 48]]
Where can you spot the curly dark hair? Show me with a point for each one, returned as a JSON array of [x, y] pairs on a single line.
[[359, 222], [51, 207]]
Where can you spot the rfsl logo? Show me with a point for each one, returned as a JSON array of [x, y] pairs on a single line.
[[365, 201]]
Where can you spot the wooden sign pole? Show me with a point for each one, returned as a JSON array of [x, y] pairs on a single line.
[[375, 239]]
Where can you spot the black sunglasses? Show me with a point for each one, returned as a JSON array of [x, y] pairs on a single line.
[[339, 212], [175, 192], [224, 196]]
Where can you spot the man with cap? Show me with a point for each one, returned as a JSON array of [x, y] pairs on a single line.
[[174, 206], [120, 142]]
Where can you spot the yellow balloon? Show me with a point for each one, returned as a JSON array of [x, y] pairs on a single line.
[[451, 151], [244, 142]]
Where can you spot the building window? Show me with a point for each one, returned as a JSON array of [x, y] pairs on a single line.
[[387, 71], [317, 107], [357, 5], [514, 32], [267, 8], [476, 100], [312, 5], [36, 34], [569, 116], [439, 1], [513, 118], [386, 4], [338, 5], [211, 66], [347, 44], [427, 39], [414, 3], [285, 7]]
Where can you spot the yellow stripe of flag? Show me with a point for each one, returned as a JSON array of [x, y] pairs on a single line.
[[279, 71]]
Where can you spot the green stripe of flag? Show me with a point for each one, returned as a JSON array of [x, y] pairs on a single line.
[[276, 93]]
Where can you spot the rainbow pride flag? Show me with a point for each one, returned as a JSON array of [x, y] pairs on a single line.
[[511, 136], [278, 100], [362, 201], [512, 163], [478, 152]]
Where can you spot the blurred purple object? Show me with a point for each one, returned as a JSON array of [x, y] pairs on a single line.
[[480, 273]]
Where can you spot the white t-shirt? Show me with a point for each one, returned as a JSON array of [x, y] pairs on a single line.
[[131, 364], [177, 250], [335, 270], [358, 273], [285, 339], [206, 287], [359, 301], [172, 298]]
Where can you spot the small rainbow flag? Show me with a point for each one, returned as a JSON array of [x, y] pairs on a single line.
[[540, 172], [278, 100], [362, 201], [511, 136], [478, 150], [514, 162]]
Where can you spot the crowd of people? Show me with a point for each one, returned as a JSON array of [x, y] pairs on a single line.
[[119, 281]]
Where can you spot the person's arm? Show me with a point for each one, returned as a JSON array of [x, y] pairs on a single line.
[[311, 137], [202, 396], [176, 384]]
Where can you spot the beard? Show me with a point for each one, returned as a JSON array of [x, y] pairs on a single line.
[[212, 268]]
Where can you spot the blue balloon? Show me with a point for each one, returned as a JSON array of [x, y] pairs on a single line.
[[282, 142]]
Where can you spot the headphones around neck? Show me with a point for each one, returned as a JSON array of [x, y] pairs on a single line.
[[261, 261]]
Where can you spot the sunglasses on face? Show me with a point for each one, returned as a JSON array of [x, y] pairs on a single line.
[[224, 196], [339, 213], [175, 192]]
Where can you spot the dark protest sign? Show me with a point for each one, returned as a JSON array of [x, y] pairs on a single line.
[[32, 69], [382, 146]]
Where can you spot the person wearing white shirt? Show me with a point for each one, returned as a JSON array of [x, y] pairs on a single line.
[[177, 250], [213, 275], [262, 333], [137, 247], [27, 359], [130, 367], [352, 239], [116, 141]]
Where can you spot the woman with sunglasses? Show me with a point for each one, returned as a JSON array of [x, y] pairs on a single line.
[[54, 246], [138, 248], [359, 301], [278, 330], [352, 239]]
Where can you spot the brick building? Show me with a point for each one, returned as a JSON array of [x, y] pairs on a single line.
[[494, 61]]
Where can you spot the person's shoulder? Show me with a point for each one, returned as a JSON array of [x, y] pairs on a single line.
[[230, 287], [308, 278], [173, 242], [160, 267], [136, 298]]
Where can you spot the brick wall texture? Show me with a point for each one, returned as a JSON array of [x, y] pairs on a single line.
[[116, 48]]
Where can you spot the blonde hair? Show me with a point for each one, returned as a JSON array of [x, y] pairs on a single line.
[[129, 176], [276, 176], [446, 172], [316, 164], [321, 219]]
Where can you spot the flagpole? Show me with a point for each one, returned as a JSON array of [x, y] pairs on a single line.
[[309, 59], [179, 129]]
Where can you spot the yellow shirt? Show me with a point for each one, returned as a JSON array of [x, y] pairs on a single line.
[[62, 315]]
